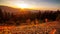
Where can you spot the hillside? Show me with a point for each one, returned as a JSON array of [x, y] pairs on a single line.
[[14, 10], [43, 28]]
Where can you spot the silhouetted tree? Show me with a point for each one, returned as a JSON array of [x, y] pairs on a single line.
[[1, 15], [58, 16]]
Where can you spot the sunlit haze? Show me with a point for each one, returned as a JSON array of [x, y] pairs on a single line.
[[22, 5], [33, 4]]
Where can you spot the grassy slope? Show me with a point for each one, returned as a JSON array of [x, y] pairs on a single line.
[[33, 29]]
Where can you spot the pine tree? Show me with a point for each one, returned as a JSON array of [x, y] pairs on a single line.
[[1, 15]]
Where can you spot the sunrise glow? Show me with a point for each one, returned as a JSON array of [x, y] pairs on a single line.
[[22, 5], [32, 4]]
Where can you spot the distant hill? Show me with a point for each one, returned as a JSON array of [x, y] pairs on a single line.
[[17, 10], [14, 10], [9, 9]]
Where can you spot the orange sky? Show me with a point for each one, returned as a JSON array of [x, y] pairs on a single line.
[[32, 4]]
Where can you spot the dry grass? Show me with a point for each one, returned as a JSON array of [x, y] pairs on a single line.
[[44, 28]]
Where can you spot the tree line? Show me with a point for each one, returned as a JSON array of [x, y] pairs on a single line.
[[10, 18]]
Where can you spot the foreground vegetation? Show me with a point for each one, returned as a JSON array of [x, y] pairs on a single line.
[[27, 17], [29, 22], [44, 28]]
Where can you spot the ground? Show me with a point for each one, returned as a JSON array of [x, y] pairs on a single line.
[[44, 28]]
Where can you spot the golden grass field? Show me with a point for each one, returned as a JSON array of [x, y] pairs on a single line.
[[44, 28]]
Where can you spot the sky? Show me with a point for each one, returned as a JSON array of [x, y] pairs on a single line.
[[34, 4]]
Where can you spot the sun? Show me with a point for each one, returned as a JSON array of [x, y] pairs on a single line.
[[22, 5]]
